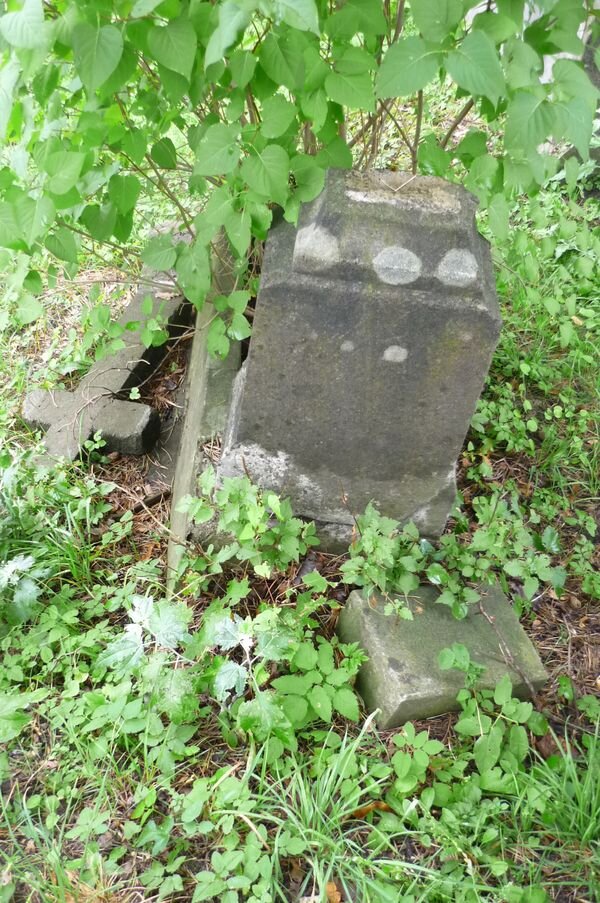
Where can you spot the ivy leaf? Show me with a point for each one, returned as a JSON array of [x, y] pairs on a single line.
[[435, 19], [407, 67], [97, 53], [174, 46], [124, 652], [267, 173], [475, 66], [230, 677], [26, 28], [159, 253], [168, 623], [232, 20], [277, 116], [218, 152], [301, 14]]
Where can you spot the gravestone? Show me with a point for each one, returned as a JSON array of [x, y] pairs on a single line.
[[375, 325], [69, 419]]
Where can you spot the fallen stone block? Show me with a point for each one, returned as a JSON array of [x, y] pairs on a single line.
[[402, 677]]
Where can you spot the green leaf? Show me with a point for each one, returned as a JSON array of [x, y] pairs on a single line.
[[63, 245], [354, 91], [277, 116], [159, 253], [230, 677], [124, 191], [239, 328], [238, 227], [475, 66], [407, 67], [518, 742], [125, 652], [503, 691], [97, 52], [282, 59], [486, 750], [31, 217], [168, 622], [217, 342], [143, 7], [346, 703], [9, 77], [29, 309], [64, 169], [26, 28], [219, 151], [193, 271], [261, 715], [529, 121], [305, 657], [267, 173], [435, 19], [295, 708], [242, 64], [232, 20], [99, 221], [164, 154], [574, 120], [174, 46], [301, 14], [297, 684], [498, 26], [321, 702]]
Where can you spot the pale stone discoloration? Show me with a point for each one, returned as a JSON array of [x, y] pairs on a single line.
[[457, 267], [316, 248], [396, 354], [347, 346], [397, 266]]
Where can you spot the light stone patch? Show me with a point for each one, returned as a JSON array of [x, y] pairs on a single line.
[[347, 346], [457, 267], [397, 266], [316, 248], [395, 354]]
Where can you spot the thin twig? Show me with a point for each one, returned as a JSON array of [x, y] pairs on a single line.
[[457, 121], [415, 147]]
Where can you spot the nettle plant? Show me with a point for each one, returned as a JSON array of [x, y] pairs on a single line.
[[225, 109]]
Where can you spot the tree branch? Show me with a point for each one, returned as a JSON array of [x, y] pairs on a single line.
[[457, 121]]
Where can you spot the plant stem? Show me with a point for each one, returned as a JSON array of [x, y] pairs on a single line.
[[457, 121], [415, 147]]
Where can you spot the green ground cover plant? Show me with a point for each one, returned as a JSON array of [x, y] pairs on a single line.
[[210, 745]]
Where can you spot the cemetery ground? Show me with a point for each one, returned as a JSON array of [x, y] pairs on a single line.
[[129, 769]]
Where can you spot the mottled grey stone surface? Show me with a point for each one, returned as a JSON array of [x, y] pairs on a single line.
[[375, 325], [71, 418], [402, 677]]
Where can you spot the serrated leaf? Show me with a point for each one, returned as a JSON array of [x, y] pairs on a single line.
[[321, 702], [174, 46], [346, 703], [408, 66], [475, 66], [97, 52], [219, 151], [230, 677]]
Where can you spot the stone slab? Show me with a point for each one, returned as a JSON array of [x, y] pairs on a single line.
[[375, 325], [402, 677], [69, 419]]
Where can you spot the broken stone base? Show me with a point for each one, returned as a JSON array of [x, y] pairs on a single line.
[[402, 677]]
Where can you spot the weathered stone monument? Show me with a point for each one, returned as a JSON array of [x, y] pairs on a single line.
[[374, 328], [375, 325]]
